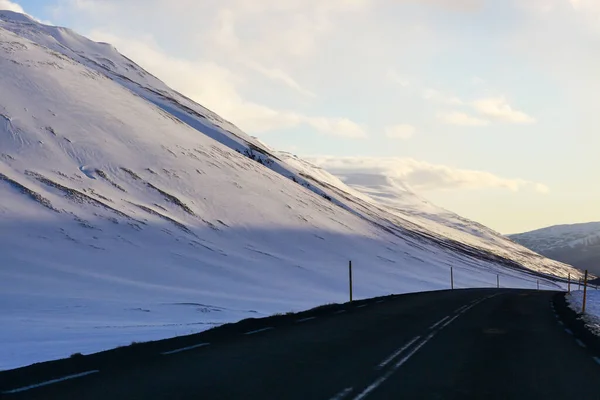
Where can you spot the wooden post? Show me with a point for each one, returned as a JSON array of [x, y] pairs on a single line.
[[584, 291], [350, 278], [569, 287], [538, 285], [451, 278], [498, 281]]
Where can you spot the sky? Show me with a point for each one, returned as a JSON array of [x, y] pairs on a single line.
[[487, 108]]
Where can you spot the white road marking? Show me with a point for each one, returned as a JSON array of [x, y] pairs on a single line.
[[413, 351], [439, 322], [460, 309], [340, 311], [380, 301], [570, 332], [468, 308], [597, 359], [391, 371], [449, 322], [184, 349], [580, 343], [306, 319], [258, 331], [37, 385], [398, 352], [560, 322], [471, 306], [375, 385], [341, 395], [361, 306]]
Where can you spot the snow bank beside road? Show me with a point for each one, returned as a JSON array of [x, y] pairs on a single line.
[[592, 308]]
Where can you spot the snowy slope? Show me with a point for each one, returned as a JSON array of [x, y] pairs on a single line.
[[405, 210], [388, 202], [577, 244], [128, 212]]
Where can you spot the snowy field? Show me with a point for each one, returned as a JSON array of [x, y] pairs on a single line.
[[130, 213], [592, 307]]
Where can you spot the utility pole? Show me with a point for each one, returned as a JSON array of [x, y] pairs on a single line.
[[350, 279], [584, 291]]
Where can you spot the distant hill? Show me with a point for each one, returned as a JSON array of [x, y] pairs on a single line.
[[577, 244]]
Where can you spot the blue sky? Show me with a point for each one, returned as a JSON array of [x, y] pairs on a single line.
[[487, 108]]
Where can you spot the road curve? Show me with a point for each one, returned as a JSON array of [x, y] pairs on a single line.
[[462, 344]]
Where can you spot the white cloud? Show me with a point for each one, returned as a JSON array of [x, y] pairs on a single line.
[[279, 76], [216, 87], [538, 6], [461, 119], [439, 97], [397, 78], [10, 6], [581, 5], [541, 188], [498, 108], [336, 126], [401, 131], [265, 36], [273, 28], [586, 11], [458, 5], [590, 10], [226, 38], [423, 176]]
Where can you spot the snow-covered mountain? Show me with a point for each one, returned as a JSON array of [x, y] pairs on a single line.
[[129, 212], [577, 244]]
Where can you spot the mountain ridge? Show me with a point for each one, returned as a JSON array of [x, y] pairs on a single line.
[[575, 244]]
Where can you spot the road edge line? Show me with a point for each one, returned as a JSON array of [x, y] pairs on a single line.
[[50, 382], [165, 353]]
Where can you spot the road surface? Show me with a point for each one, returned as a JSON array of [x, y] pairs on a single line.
[[462, 344]]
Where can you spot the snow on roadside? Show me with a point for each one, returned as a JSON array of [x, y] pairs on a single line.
[[592, 308]]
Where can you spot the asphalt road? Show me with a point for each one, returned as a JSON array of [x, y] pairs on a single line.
[[462, 344]]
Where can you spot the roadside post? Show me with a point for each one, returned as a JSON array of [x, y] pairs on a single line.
[[569, 287], [451, 278], [538, 285], [584, 291], [350, 279], [498, 281]]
